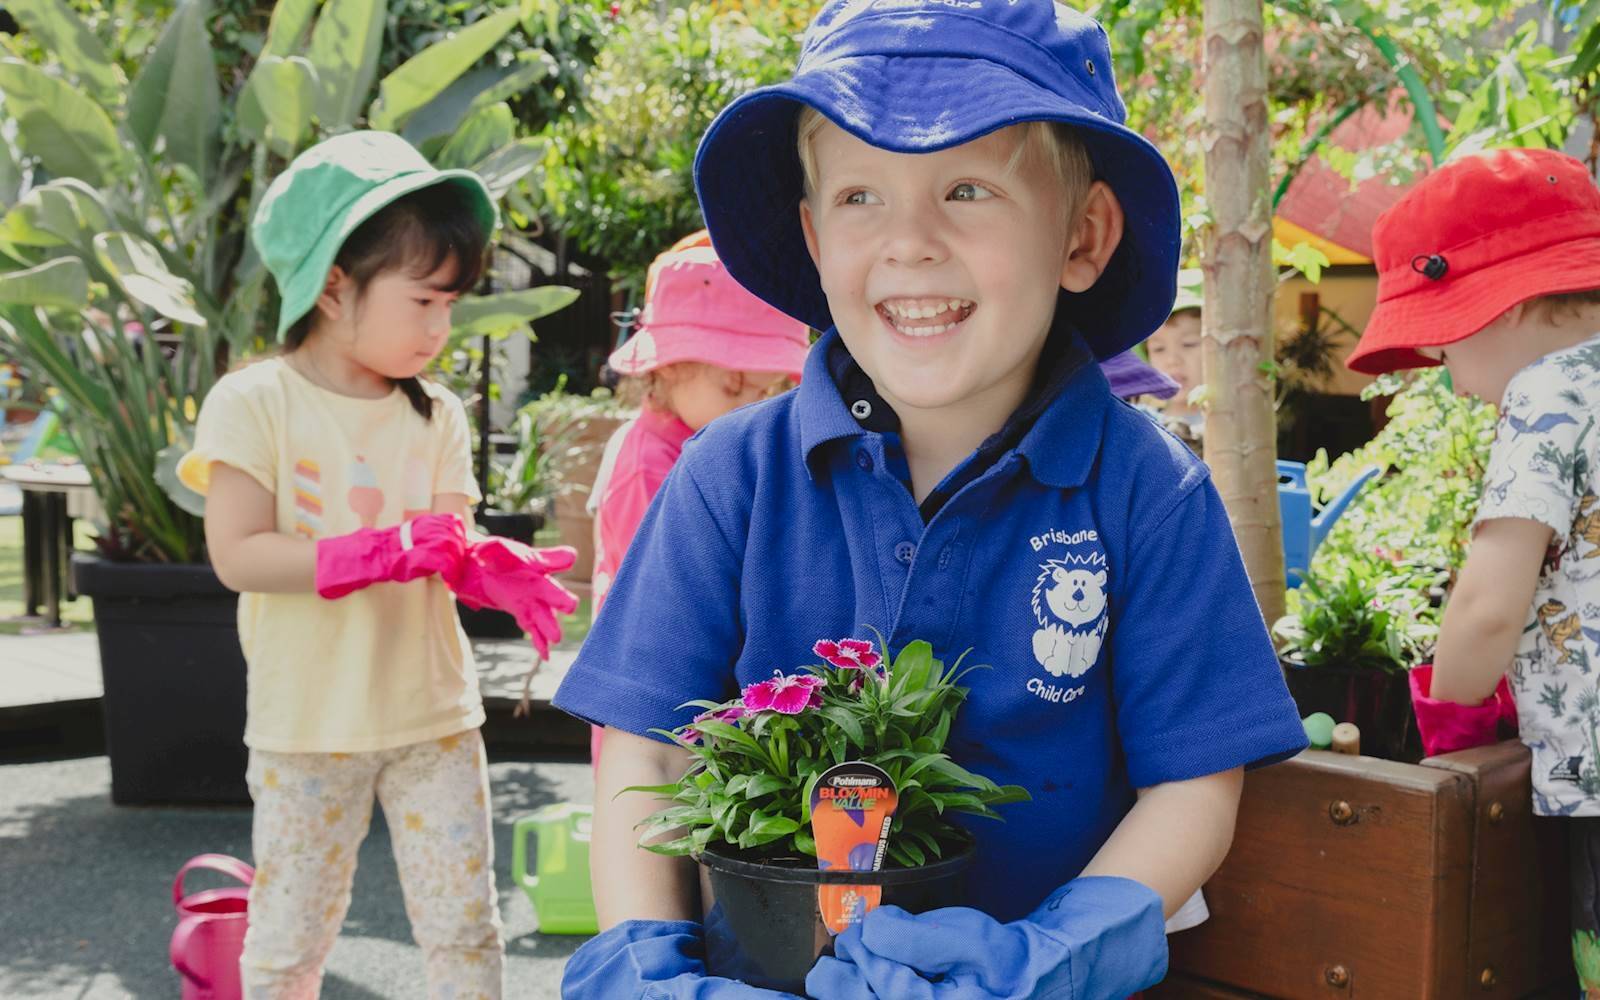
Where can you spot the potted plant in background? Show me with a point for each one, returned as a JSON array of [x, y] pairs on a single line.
[[127, 203], [747, 809]]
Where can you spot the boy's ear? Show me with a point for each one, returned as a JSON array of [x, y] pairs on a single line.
[[809, 227], [1094, 241], [337, 293]]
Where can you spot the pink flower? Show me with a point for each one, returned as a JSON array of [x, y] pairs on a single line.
[[847, 654], [729, 715], [786, 694]]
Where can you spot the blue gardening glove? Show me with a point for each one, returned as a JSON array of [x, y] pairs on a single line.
[[1095, 938], [651, 960]]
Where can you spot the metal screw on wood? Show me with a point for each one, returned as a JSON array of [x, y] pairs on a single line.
[[1342, 813], [1497, 812], [1487, 978], [1338, 975]]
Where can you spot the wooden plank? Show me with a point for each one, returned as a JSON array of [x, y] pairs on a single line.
[[1519, 938], [1186, 988], [1348, 877]]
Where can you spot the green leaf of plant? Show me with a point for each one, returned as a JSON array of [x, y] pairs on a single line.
[[59, 283], [425, 75], [69, 133], [278, 101], [176, 95], [763, 784], [510, 163], [480, 315], [286, 32], [62, 33], [64, 211], [10, 175], [484, 131], [344, 51], [138, 268]]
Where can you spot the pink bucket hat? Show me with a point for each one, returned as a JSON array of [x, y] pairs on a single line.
[[695, 311]]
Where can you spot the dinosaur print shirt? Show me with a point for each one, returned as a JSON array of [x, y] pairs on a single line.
[[1543, 467]]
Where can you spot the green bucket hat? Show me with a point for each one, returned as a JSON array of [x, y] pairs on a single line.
[[312, 208], [1191, 290]]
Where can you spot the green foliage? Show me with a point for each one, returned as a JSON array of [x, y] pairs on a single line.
[[749, 784], [126, 282], [617, 171], [1366, 613]]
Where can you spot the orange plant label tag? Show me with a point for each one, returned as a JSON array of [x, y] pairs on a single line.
[[852, 805]]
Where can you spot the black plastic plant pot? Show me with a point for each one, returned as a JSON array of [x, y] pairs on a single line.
[[174, 679], [487, 623], [1377, 701], [764, 926]]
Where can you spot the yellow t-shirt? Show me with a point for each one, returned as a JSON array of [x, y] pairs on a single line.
[[384, 666]]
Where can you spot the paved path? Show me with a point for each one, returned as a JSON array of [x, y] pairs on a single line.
[[85, 908]]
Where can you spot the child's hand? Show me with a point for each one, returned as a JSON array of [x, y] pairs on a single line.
[[424, 546], [507, 575], [1097, 938]]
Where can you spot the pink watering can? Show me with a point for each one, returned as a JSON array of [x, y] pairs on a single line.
[[206, 946]]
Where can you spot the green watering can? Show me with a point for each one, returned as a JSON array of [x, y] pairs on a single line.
[[559, 889]]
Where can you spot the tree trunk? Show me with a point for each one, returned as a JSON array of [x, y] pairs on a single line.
[[1240, 435]]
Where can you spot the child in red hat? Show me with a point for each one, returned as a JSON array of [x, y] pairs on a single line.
[[1491, 266]]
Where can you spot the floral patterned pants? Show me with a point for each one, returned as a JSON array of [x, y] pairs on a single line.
[[312, 811]]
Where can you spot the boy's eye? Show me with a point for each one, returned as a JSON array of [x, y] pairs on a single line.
[[858, 198], [968, 191]]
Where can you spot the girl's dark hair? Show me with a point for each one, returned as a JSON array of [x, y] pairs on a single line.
[[419, 233]]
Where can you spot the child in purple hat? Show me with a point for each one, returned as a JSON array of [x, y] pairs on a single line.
[[949, 191]]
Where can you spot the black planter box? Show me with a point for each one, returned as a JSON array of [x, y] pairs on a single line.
[[174, 679], [487, 623]]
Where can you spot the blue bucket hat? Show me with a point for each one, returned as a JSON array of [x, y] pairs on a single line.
[[916, 76]]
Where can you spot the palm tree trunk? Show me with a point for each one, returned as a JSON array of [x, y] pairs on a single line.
[[1240, 436]]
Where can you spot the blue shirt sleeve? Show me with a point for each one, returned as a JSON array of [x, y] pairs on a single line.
[[1197, 684], [671, 628]]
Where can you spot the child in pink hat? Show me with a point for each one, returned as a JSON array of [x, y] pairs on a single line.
[[704, 347]]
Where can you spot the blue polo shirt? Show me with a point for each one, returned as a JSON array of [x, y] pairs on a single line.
[[1091, 564]]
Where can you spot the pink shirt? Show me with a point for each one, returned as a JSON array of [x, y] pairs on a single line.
[[651, 445]]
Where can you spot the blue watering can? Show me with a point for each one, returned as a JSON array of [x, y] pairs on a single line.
[[1304, 530]]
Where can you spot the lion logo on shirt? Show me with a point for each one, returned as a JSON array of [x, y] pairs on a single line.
[[1069, 603]]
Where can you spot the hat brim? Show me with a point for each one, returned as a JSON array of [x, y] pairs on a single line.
[[748, 176], [658, 346], [1129, 377], [300, 292], [1455, 308]]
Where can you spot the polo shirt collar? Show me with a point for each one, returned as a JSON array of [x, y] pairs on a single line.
[[1060, 421]]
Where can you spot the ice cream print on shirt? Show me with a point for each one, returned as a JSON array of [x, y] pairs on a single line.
[[1069, 603], [366, 500]]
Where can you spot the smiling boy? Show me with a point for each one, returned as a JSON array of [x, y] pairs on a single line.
[[952, 468]]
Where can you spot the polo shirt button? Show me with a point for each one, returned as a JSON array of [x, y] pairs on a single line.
[[905, 552], [864, 460], [861, 409]]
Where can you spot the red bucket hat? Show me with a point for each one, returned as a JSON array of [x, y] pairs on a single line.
[[1475, 238]]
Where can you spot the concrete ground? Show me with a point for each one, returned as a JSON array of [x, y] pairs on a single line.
[[85, 888]]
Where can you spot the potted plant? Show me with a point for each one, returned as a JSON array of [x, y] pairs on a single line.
[[1354, 627], [126, 285], [572, 430], [748, 807]]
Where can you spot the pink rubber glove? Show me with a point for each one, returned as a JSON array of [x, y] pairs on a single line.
[[1447, 725], [422, 546], [507, 575]]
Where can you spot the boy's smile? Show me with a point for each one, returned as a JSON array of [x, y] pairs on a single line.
[[942, 269]]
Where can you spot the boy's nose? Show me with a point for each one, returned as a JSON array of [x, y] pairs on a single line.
[[912, 239]]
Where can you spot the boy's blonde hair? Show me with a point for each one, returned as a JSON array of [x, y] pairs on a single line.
[[1064, 153]]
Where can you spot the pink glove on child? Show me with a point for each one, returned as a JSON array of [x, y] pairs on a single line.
[[422, 546], [1447, 725], [505, 574]]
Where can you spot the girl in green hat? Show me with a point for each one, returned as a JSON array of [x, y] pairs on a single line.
[[338, 485]]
